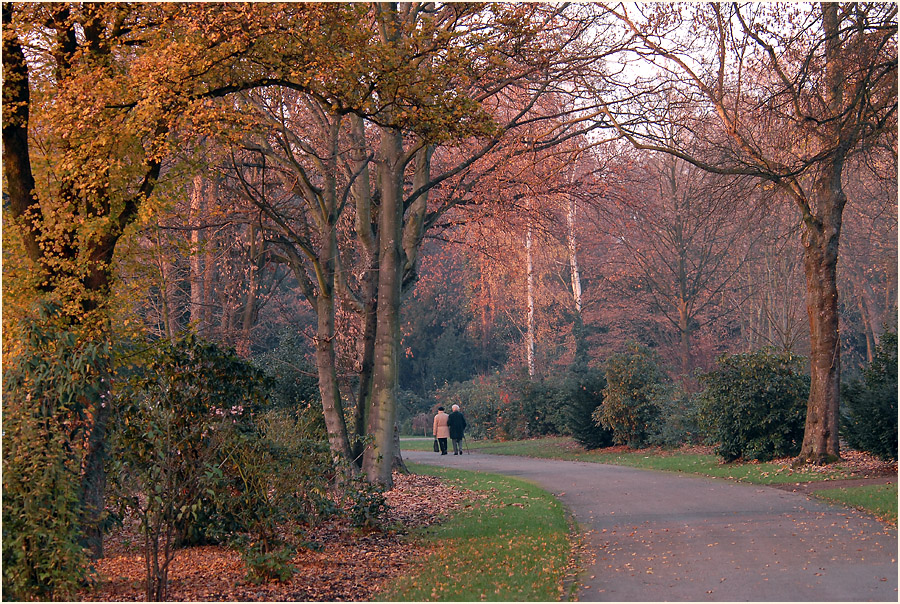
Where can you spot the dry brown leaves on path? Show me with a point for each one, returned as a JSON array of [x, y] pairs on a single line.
[[349, 565]]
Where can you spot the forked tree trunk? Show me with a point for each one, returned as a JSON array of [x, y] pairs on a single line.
[[369, 290]]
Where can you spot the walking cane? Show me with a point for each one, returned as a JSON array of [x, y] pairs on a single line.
[[466, 443]]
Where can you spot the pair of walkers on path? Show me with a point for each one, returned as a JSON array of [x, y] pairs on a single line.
[[451, 426]]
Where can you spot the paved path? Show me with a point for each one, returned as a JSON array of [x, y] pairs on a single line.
[[659, 536]]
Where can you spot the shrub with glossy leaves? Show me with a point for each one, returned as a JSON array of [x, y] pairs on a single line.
[[635, 388], [869, 421], [179, 416], [544, 404], [754, 405]]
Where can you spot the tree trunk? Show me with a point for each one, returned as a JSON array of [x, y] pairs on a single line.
[[578, 334], [684, 332], [362, 190], [367, 363], [196, 259], [93, 478], [821, 238], [529, 303], [397, 463], [328, 383], [251, 305], [167, 295], [867, 329], [209, 266], [379, 456]]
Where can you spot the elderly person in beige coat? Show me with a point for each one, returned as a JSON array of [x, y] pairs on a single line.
[[441, 429]]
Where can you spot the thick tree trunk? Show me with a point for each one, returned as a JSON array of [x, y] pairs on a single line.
[[93, 480], [821, 238], [326, 364], [362, 191], [379, 456], [367, 364], [820, 440]]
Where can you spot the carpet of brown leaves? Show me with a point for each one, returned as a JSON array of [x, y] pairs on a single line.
[[864, 469], [348, 565]]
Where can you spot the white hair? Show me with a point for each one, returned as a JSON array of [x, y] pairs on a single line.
[[455, 407]]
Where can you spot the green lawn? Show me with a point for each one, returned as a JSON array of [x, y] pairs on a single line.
[[880, 500], [650, 459], [513, 546]]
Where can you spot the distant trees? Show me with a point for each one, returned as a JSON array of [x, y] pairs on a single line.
[[793, 101], [688, 234]]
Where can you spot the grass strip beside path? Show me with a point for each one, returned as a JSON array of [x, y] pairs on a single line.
[[880, 500], [650, 459], [512, 546]]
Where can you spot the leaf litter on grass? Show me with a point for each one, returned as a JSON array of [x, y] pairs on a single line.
[[345, 564]]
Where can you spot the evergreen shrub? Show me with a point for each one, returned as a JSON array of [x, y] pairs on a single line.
[[198, 456], [544, 404], [869, 421], [754, 405], [678, 422], [635, 390], [586, 395], [180, 415]]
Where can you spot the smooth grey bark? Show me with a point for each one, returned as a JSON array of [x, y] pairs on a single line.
[[378, 458]]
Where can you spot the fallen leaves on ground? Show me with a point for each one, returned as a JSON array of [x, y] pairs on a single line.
[[347, 565]]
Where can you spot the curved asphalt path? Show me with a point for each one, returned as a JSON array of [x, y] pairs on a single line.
[[658, 536]]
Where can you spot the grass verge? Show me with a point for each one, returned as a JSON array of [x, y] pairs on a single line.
[[511, 546], [649, 459], [880, 500]]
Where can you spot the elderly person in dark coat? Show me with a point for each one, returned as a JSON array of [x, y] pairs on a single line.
[[457, 424]]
